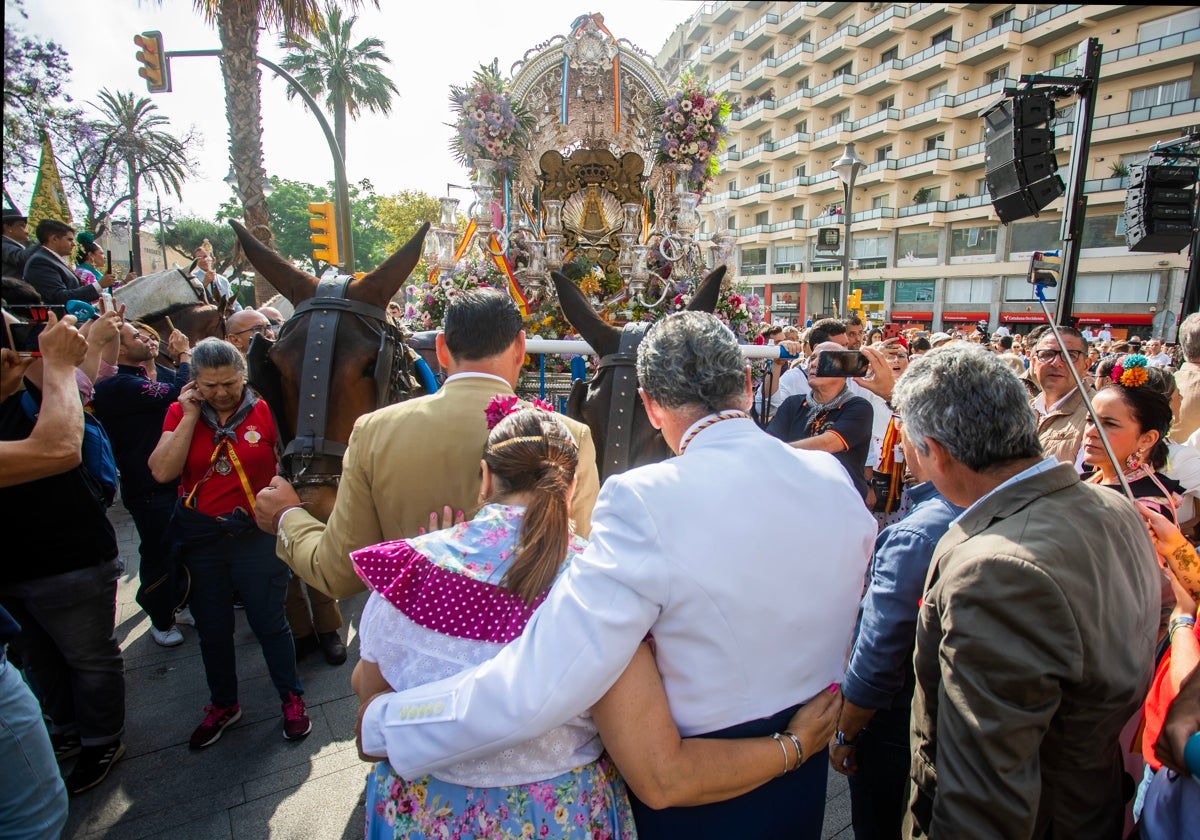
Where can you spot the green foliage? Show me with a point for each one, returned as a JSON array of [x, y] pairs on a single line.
[[188, 233], [401, 214]]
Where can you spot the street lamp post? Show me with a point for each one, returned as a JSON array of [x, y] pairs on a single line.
[[847, 168]]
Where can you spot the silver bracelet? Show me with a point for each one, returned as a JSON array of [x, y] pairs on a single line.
[[799, 752], [779, 739]]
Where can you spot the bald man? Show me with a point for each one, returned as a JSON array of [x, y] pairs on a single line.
[[240, 327]]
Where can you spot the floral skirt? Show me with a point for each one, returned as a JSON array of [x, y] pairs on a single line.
[[587, 802]]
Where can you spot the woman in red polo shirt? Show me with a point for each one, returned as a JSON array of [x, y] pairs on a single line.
[[219, 439]]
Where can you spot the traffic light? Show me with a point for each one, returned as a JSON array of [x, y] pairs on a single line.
[[1045, 268], [156, 69], [854, 301], [1160, 208], [324, 236], [1019, 157]]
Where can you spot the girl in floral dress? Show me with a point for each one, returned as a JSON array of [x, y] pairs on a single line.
[[452, 598]]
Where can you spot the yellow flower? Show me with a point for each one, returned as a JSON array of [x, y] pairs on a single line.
[[527, 830], [418, 793], [1133, 377], [560, 815]]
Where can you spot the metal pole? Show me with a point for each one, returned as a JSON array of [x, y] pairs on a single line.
[[1075, 209], [844, 297], [162, 234]]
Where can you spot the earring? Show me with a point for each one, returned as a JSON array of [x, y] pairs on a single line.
[[1133, 461]]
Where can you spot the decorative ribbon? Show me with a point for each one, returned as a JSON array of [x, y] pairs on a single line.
[[576, 26], [530, 216]]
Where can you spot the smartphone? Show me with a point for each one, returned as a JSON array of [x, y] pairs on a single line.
[[23, 337], [842, 363], [890, 330]]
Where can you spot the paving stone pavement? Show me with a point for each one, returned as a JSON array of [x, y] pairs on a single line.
[[252, 783]]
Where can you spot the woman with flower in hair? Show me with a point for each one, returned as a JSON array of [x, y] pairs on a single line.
[[89, 259], [1136, 418]]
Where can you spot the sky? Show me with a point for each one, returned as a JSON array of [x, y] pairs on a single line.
[[433, 45]]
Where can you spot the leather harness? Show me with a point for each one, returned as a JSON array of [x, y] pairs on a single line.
[[618, 443]]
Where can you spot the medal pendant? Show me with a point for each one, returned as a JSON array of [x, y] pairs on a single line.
[[223, 467]]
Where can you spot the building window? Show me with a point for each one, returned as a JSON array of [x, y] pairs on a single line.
[[1127, 287], [1061, 59], [1003, 17], [913, 291], [884, 104], [973, 241], [731, 185], [1171, 25], [997, 73], [841, 117], [937, 141], [732, 147], [754, 261], [765, 137], [883, 153], [806, 38], [942, 37], [927, 195], [764, 178], [798, 213], [736, 67], [881, 201], [1104, 231], [845, 70], [802, 127], [802, 84], [1024, 237], [787, 256], [981, 186], [770, 53], [936, 91], [969, 290], [890, 54], [872, 290], [762, 219], [1148, 97], [799, 171], [918, 244]]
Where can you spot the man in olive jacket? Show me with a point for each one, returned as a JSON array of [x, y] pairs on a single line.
[[1035, 637]]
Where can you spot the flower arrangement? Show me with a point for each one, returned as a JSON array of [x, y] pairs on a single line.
[[488, 124], [425, 308], [693, 126], [1131, 371], [503, 405]]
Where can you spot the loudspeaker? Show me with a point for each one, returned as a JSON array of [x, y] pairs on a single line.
[[1160, 207], [1019, 160]]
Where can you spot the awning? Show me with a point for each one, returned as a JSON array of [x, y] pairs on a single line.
[[1022, 318], [912, 316], [1114, 318], [964, 316]]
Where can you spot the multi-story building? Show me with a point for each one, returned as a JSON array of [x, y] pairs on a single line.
[[906, 83]]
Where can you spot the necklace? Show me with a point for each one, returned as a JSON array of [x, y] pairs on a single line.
[[713, 420]]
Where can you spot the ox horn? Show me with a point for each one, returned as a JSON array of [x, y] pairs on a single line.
[[380, 286], [708, 291], [295, 285], [604, 338]]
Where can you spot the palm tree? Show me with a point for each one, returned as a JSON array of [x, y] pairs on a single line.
[[237, 23], [132, 135], [349, 76]]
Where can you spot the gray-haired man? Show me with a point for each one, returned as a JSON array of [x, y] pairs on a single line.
[[1035, 638]]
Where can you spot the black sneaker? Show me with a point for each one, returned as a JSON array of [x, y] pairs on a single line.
[[93, 765], [66, 745]]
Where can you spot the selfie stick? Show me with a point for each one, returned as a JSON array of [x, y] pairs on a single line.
[[1040, 290]]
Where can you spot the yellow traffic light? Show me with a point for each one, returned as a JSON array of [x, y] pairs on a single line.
[[324, 237], [854, 301], [156, 70]]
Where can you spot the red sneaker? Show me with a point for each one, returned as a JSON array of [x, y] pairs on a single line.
[[296, 724], [216, 718]]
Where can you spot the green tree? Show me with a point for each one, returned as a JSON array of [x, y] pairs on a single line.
[[132, 131], [401, 214], [186, 234], [348, 75]]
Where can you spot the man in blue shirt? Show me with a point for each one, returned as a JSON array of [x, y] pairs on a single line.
[[872, 744]]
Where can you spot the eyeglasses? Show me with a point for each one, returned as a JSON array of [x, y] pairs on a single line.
[[276, 324], [1048, 356], [257, 328]]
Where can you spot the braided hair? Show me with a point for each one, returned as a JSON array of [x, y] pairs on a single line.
[[532, 452]]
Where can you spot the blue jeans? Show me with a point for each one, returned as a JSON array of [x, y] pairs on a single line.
[[879, 790], [248, 564], [69, 642], [158, 582], [33, 799]]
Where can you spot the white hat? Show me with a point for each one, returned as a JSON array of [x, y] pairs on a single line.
[[937, 338]]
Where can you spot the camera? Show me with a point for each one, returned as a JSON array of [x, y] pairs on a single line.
[[842, 363]]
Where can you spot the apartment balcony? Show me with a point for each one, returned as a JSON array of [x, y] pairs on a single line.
[[1102, 185], [700, 23], [969, 151], [990, 44], [752, 230], [923, 164], [724, 82], [729, 46], [830, 220], [761, 73], [827, 92], [791, 146], [873, 32], [754, 151], [887, 74], [922, 64], [792, 19], [973, 96], [752, 192], [880, 172], [755, 116], [829, 10], [798, 181], [724, 12], [1179, 48], [759, 33], [927, 113], [790, 224], [824, 182], [725, 157], [1176, 116], [836, 135], [799, 100], [841, 42], [872, 214], [1066, 17], [877, 125], [796, 59], [921, 16], [701, 55]]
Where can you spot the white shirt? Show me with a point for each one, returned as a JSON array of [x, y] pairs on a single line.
[[792, 381], [688, 549], [1104, 335], [1160, 360], [1040, 467]]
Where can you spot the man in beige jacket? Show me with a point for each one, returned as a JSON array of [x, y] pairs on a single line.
[[408, 459], [1060, 409]]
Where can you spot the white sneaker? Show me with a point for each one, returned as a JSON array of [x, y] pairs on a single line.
[[184, 616], [167, 638]]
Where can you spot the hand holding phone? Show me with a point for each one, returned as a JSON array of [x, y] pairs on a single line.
[[842, 363]]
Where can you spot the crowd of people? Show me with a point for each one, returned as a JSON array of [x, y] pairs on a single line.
[[976, 625]]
